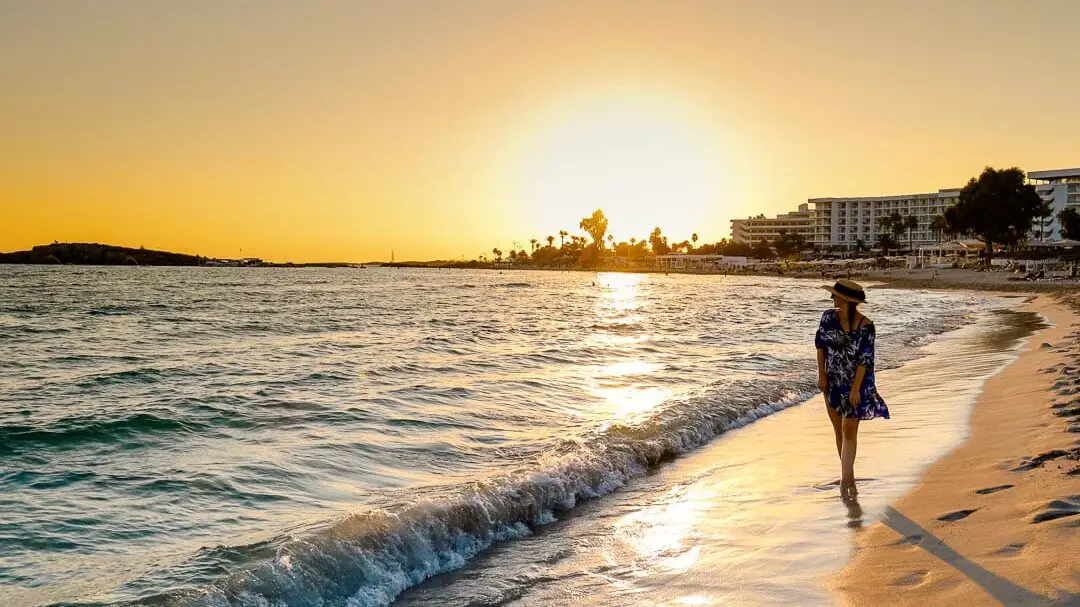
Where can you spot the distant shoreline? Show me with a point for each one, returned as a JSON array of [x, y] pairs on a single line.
[[91, 254]]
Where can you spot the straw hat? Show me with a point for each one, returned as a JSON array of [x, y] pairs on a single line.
[[848, 290]]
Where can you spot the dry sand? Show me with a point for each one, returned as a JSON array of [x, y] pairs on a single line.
[[996, 280], [997, 521]]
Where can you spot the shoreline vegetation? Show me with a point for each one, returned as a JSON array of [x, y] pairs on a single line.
[[891, 271]]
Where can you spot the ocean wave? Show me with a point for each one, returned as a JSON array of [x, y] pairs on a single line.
[[111, 311], [367, 559], [143, 375], [15, 438]]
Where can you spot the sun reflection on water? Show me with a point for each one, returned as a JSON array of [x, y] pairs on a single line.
[[623, 384], [662, 534]]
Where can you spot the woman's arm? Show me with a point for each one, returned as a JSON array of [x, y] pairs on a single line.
[[856, 386], [819, 343], [822, 377], [865, 358]]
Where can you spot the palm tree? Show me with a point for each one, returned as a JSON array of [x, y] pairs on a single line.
[[497, 253], [1043, 212], [633, 241], [885, 224], [611, 241], [939, 225], [534, 244], [562, 234], [694, 238], [551, 240], [911, 223]]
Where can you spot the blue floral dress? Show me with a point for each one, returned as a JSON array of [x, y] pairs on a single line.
[[845, 352]]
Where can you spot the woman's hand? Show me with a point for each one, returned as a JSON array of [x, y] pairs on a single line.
[[823, 382], [854, 398]]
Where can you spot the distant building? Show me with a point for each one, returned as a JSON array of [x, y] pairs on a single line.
[[843, 222], [680, 261], [755, 229], [1061, 188]]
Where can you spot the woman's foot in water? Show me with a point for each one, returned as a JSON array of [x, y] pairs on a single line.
[[848, 490]]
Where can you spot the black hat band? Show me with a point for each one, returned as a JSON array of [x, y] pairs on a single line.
[[849, 292]]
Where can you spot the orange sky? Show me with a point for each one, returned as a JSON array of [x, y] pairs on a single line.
[[311, 131]]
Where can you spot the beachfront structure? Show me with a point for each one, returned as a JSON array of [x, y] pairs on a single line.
[[1061, 188], [679, 261], [753, 230], [844, 222]]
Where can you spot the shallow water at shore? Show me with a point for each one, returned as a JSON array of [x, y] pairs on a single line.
[[754, 518], [236, 436]]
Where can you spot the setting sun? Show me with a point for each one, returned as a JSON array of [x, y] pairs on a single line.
[[645, 159]]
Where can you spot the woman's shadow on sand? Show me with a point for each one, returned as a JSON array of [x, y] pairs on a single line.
[[1004, 591]]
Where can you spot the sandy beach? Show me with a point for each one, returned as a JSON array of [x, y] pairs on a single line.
[[995, 521]]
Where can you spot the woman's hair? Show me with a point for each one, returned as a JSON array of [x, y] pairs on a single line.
[[851, 311]]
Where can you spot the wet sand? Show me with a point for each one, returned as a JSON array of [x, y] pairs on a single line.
[[752, 518], [997, 521]]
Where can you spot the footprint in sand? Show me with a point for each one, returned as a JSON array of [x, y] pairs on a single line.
[[1010, 550], [990, 490], [912, 579], [955, 516], [1056, 509], [1039, 460], [908, 540]]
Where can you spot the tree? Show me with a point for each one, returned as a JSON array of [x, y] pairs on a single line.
[[762, 250], [596, 226], [738, 249], [611, 240], [694, 238], [551, 240], [997, 207], [898, 226], [498, 254], [788, 243], [562, 234], [886, 230], [911, 223], [1044, 211], [658, 242], [938, 225], [1070, 223], [535, 244], [886, 240]]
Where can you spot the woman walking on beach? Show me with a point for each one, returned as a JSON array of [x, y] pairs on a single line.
[[845, 355]]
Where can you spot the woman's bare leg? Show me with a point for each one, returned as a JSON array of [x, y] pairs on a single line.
[[835, 418], [850, 430]]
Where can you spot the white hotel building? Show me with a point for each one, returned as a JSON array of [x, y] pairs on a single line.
[[755, 229], [1061, 188], [843, 222]]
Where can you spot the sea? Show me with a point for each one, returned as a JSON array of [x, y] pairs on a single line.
[[367, 436]]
